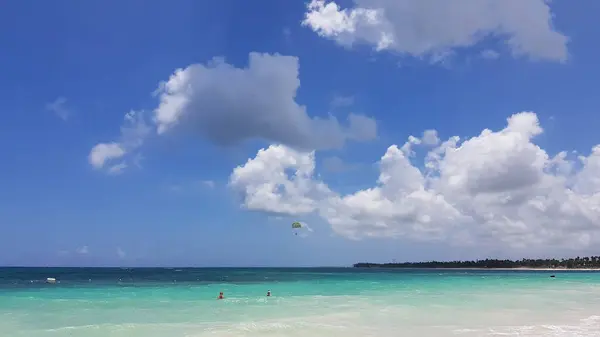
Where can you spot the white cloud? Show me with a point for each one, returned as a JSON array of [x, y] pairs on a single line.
[[279, 180], [121, 253], [83, 250], [228, 105], [133, 133], [103, 152], [433, 28], [430, 137], [497, 188], [59, 108], [410, 143]]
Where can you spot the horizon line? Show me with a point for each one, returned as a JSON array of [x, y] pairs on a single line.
[[178, 267]]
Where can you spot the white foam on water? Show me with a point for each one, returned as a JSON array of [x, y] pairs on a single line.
[[353, 326], [362, 322]]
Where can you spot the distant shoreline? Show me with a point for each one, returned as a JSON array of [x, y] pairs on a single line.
[[484, 268], [586, 263]]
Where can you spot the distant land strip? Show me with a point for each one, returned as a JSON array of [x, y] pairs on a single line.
[[590, 262]]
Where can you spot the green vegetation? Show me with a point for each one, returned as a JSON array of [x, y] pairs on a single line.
[[573, 263]]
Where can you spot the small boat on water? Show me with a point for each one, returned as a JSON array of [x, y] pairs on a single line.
[[50, 280]]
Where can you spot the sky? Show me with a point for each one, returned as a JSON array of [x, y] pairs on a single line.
[[193, 133]]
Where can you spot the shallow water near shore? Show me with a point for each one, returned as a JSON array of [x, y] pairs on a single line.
[[305, 302]]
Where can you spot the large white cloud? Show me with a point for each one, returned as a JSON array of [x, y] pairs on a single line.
[[279, 180], [495, 188], [228, 105], [436, 27]]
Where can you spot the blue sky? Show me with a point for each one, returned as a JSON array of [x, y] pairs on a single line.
[[71, 71]]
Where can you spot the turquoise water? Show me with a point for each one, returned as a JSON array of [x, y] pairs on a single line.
[[305, 302]]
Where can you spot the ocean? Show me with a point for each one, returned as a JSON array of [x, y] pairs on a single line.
[[181, 302]]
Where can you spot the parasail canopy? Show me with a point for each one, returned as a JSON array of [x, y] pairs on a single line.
[[301, 229]]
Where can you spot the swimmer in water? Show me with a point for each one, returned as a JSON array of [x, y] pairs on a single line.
[[220, 296], [268, 293]]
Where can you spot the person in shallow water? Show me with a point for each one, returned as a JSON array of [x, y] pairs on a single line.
[[220, 297], [268, 293]]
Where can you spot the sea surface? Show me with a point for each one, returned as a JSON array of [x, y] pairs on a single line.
[[306, 302]]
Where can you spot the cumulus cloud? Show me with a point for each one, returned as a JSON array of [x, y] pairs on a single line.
[[133, 133], [228, 105], [435, 28], [430, 137], [496, 188], [279, 180]]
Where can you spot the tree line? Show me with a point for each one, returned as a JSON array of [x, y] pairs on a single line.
[[572, 263]]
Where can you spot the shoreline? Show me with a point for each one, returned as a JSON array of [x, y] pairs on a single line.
[[483, 268], [527, 269]]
